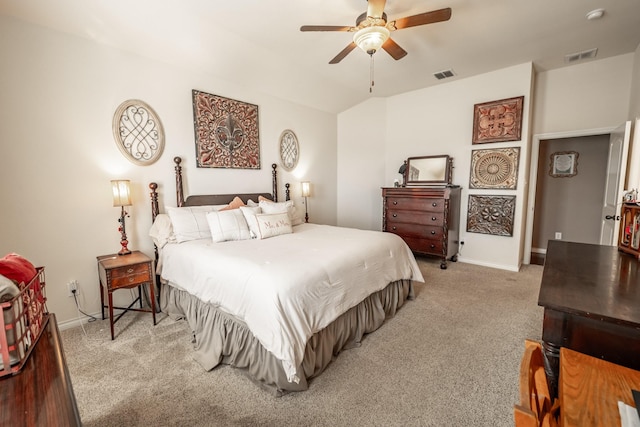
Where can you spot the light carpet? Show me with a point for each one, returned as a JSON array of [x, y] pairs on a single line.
[[451, 357]]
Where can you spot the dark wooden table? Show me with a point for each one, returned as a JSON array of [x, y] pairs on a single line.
[[591, 300], [41, 393]]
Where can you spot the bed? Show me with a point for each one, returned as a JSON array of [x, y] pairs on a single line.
[[282, 301]]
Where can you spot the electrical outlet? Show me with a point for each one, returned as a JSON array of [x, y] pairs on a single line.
[[72, 287], [558, 235]]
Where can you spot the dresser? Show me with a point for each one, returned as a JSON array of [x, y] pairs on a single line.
[[427, 218]]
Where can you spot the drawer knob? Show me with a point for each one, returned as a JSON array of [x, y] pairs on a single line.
[[395, 215], [395, 203], [130, 279], [130, 270], [433, 246], [433, 232], [433, 218], [434, 204], [394, 227]]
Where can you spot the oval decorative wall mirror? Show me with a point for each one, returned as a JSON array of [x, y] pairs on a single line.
[[289, 150], [138, 132]]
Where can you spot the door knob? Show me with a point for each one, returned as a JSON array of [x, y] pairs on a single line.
[[613, 217]]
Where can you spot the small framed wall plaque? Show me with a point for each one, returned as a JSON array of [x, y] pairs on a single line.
[[494, 168], [289, 150], [138, 132], [564, 164]]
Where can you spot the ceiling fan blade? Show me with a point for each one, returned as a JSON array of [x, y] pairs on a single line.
[[394, 49], [339, 57], [375, 8], [324, 28], [423, 18]]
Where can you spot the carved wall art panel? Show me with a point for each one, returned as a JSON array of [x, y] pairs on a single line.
[[289, 150], [494, 168], [491, 215], [138, 132], [497, 121], [226, 132]]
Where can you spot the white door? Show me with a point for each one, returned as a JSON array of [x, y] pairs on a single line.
[[616, 171]]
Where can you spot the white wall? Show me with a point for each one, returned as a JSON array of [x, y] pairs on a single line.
[[361, 164], [591, 95], [438, 120], [57, 156]]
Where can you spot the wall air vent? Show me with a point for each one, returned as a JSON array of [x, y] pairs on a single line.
[[579, 56], [444, 74]]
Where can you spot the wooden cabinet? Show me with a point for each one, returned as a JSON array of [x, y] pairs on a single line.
[[427, 219], [629, 239]]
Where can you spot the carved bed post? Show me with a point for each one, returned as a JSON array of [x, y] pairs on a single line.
[[154, 201], [274, 182], [287, 193], [179, 193]]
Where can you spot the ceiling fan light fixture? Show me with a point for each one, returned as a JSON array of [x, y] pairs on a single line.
[[371, 39]]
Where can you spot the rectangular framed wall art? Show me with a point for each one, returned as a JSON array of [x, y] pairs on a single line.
[[564, 164], [491, 215], [226, 132], [497, 121], [494, 168]]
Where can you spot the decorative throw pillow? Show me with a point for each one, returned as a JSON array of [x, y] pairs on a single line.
[[228, 225], [161, 231], [190, 223], [250, 216], [270, 225], [235, 204], [277, 207]]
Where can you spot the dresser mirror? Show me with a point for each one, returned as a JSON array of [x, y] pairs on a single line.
[[428, 170]]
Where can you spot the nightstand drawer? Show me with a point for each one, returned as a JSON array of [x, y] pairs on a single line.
[[129, 270], [130, 280]]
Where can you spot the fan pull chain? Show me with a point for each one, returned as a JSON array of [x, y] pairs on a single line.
[[371, 75]]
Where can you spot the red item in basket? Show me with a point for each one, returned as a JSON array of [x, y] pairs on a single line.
[[17, 268]]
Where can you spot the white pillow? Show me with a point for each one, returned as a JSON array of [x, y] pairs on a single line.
[[161, 231], [190, 223], [250, 216], [278, 207], [270, 225], [228, 225]]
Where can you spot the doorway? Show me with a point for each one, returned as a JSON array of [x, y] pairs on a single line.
[[541, 163], [569, 205]]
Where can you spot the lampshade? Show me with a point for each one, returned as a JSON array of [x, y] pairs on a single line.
[[121, 192], [306, 189], [370, 39]]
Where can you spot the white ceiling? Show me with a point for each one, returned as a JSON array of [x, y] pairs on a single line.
[[257, 43]]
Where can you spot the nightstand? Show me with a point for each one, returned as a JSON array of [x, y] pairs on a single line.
[[125, 272]]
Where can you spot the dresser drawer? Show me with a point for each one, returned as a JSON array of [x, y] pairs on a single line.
[[415, 217], [412, 230], [130, 275], [415, 204], [425, 246]]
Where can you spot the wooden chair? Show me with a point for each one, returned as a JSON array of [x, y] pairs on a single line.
[[536, 408]]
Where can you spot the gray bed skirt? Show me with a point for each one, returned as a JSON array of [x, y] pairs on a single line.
[[221, 338]]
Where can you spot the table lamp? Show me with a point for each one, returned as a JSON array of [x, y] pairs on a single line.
[[306, 192], [122, 197]]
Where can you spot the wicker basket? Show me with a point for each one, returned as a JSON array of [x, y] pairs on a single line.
[[22, 321]]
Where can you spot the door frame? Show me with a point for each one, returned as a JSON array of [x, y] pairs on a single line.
[[533, 177]]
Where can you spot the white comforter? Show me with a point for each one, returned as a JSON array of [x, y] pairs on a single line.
[[287, 288]]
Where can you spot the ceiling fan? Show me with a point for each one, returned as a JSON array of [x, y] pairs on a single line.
[[372, 31]]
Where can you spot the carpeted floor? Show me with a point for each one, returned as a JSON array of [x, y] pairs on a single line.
[[449, 358]]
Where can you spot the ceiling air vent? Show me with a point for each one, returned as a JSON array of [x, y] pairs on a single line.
[[579, 56], [444, 74]]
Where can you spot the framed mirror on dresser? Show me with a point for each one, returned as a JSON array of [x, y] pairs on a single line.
[[425, 211]]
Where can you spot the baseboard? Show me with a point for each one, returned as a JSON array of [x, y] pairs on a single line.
[[539, 251], [487, 264], [72, 323]]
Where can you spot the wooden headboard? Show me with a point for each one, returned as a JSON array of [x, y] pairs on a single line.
[[212, 199]]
